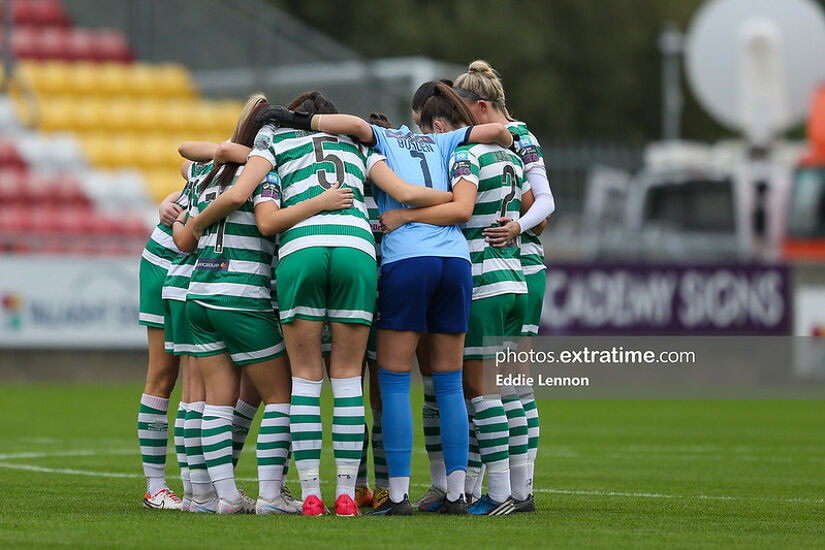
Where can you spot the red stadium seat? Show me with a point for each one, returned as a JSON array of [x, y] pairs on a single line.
[[12, 219], [111, 45], [24, 12], [50, 13], [134, 227], [25, 43], [37, 191], [69, 193], [45, 219], [12, 186], [9, 156], [81, 45], [52, 43], [103, 225], [76, 221]]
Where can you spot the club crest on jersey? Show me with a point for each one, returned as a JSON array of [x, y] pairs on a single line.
[[207, 264], [262, 140]]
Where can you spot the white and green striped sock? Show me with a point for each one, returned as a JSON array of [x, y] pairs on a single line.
[[272, 450], [180, 450], [473, 458], [528, 401], [493, 435], [241, 422], [432, 435], [153, 433], [216, 440], [517, 421], [347, 431], [202, 489], [363, 466], [379, 459], [306, 432]]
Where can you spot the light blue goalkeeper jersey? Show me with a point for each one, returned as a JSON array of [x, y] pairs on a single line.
[[419, 159]]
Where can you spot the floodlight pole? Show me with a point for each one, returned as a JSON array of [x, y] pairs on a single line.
[[670, 46], [8, 56]]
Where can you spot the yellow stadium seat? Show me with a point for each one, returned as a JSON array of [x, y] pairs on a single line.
[[230, 111], [216, 137], [56, 113], [88, 114], [96, 146], [119, 114], [203, 117], [50, 77], [162, 182], [178, 116], [140, 79], [123, 151], [154, 152], [113, 78], [84, 79], [172, 80], [147, 115]]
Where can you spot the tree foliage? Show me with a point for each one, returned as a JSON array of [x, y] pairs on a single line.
[[571, 68]]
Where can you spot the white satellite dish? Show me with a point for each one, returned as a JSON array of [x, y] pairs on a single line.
[[754, 64]]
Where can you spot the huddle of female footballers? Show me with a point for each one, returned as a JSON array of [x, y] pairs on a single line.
[[268, 255]]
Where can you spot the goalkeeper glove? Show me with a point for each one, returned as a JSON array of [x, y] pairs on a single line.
[[283, 117]]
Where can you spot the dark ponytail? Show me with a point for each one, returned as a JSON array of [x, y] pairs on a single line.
[[446, 104], [425, 92], [313, 103], [379, 119]]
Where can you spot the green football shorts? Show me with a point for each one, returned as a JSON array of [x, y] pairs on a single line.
[[151, 279], [536, 285], [336, 284], [495, 316], [248, 336], [176, 331]]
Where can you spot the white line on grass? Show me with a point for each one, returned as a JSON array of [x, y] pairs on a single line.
[[81, 452], [90, 452]]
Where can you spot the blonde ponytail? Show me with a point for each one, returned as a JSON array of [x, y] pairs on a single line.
[[483, 81], [251, 103]]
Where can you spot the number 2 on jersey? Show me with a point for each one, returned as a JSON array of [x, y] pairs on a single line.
[[510, 180]]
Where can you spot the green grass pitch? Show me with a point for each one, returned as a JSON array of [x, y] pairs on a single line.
[[610, 474]]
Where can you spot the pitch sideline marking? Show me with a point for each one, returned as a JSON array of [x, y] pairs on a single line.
[[90, 452]]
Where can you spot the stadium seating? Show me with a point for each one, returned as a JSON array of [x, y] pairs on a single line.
[[106, 131]]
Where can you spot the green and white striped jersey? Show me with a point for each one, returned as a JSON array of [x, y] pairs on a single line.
[[372, 215], [499, 175], [176, 284], [234, 265], [161, 249], [309, 163], [528, 148]]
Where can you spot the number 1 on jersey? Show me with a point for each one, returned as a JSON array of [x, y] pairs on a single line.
[[221, 226], [425, 169]]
